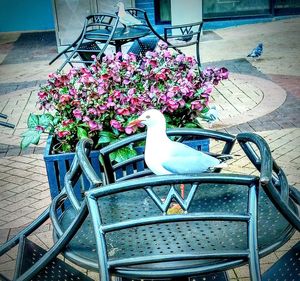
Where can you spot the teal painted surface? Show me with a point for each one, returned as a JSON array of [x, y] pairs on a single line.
[[29, 15]]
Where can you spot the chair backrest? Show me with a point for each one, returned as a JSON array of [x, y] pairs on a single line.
[[142, 45], [184, 35], [142, 16], [136, 167], [95, 37], [273, 179], [144, 228]]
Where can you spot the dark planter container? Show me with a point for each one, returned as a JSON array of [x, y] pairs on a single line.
[[57, 165]]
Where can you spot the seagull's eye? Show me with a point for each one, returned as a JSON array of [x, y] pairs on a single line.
[[147, 116]]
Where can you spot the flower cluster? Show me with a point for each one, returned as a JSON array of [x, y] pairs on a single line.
[[100, 101]]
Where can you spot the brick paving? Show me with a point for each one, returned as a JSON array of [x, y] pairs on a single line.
[[261, 96]]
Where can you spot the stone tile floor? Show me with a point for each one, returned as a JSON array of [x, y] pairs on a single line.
[[261, 96]]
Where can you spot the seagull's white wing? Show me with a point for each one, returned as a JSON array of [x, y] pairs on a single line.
[[184, 159]]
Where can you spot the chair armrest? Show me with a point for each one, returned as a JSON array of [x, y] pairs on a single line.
[[83, 149], [264, 162]]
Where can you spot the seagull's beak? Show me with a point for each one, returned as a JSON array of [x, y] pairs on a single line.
[[135, 122]]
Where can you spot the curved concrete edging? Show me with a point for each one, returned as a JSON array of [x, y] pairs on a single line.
[[273, 97]]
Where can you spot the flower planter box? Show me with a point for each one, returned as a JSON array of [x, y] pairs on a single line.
[[57, 165]]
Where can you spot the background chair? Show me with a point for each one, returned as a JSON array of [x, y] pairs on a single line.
[[148, 43], [176, 36], [184, 35], [95, 36]]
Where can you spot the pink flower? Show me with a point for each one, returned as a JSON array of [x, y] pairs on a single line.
[[67, 122], [39, 128], [116, 124], [196, 105], [93, 111], [62, 134], [86, 119], [130, 130], [42, 95], [65, 98], [167, 54], [123, 111], [77, 113], [94, 126]]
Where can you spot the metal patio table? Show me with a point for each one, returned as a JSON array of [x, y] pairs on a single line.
[[221, 194], [123, 35], [273, 231]]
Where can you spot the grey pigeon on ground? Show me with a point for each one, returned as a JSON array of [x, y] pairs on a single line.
[[126, 18], [257, 51]]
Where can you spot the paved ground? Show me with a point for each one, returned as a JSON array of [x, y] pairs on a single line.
[[261, 96]]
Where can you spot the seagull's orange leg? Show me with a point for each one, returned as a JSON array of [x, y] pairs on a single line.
[[182, 190]]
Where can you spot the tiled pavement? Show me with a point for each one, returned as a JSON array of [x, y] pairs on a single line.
[[260, 96]]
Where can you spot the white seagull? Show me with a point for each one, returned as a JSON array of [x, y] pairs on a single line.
[[126, 18], [164, 156]]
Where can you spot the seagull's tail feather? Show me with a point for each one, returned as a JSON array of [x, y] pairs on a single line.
[[221, 157], [224, 157]]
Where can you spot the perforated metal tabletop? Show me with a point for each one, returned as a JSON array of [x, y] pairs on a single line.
[[182, 237]]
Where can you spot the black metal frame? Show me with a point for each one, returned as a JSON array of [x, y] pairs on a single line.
[[5, 124], [126, 267], [144, 45], [273, 178], [97, 28], [52, 212], [184, 35], [184, 134]]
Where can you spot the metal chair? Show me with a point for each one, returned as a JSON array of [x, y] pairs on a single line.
[[5, 124], [286, 268], [273, 178], [145, 229], [148, 43], [184, 35], [286, 198], [136, 167], [94, 38], [69, 217], [36, 263]]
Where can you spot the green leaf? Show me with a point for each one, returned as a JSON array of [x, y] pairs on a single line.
[[106, 137], [49, 116], [30, 137], [64, 90], [32, 121], [66, 147], [204, 110], [81, 133], [124, 153], [44, 121], [190, 125]]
